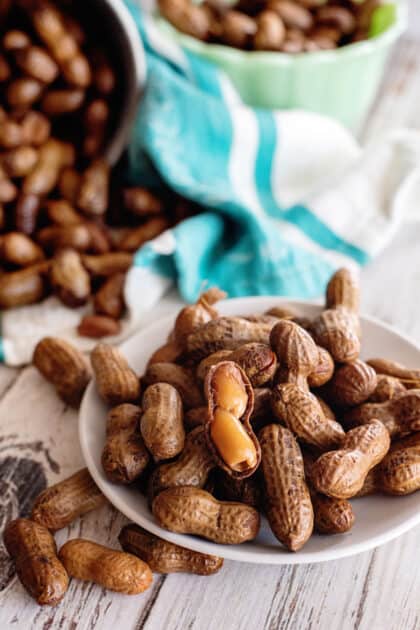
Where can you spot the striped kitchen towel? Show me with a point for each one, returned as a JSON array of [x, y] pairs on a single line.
[[289, 196]]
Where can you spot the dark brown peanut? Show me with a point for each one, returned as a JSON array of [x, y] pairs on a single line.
[[23, 92], [61, 212], [107, 264], [26, 213], [60, 504], [58, 102], [161, 424], [75, 236], [165, 557], [135, 237], [191, 468], [286, 496], [117, 383], [64, 366], [96, 118], [124, 457], [34, 552], [246, 491], [188, 510], [69, 184], [98, 326], [387, 388], [114, 570], [295, 350]]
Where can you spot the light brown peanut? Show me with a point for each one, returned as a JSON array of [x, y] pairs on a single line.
[[124, 456], [36, 63], [96, 118], [35, 128], [342, 473], [107, 264], [114, 570], [188, 510], [303, 415], [166, 557], [186, 17], [410, 378], [323, 371], [400, 416], [399, 471], [230, 437], [69, 279], [286, 496], [59, 102], [225, 333], [75, 236], [238, 29], [18, 249], [142, 202], [387, 387], [93, 191], [23, 287], [117, 383], [26, 213], [191, 468], [60, 504], [34, 552], [191, 318], [23, 92], [179, 377], [61, 212], [271, 31], [337, 329], [52, 157], [161, 423], [20, 161], [64, 366], [139, 235], [351, 385], [295, 350]]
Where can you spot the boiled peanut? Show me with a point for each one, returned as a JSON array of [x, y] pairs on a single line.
[[62, 213], [124, 457], [238, 29], [58, 102], [60, 504], [136, 237], [23, 92], [20, 161], [53, 156], [117, 383], [75, 236], [26, 213], [195, 417], [206, 363], [34, 552], [336, 330], [96, 118], [399, 471], [323, 371], [191, 318], [166, 557], [108, 264], [246, 491], [296, 350], [341, 474], [98, 326], [228, 430], [36, 63], [401, 415], [409, 377], [18, 249], [191, 468], [271, 31], [114, 570], [351, 385], [303, 415], [161, 424], [179, 377], [186, 17], [168, 353], [35, 128], [109, 300], [69, 279], [93, 191], [387, 387], [23, 287], [339, 17], [292, 14], [286, 496], [69, 184], [258, 362], [343, 291], [188, 510], [142, 202], [64, 366], [225, 333]]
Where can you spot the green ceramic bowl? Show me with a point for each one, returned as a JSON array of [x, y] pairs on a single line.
[[340, 83]]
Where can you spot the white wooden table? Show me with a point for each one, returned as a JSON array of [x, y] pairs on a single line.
[[378, 590]]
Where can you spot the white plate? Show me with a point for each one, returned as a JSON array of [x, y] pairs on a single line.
[[378, 518]]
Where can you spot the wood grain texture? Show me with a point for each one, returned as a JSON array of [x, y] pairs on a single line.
[[373, 591]]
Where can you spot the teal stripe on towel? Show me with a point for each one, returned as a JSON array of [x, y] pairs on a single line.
[[298, 215]]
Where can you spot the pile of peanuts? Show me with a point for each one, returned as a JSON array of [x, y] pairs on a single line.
[[63, 228], [234, 417], [290, 26]]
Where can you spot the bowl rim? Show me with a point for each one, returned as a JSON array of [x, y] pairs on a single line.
[[235, 55], [137, 80], [235, 552]]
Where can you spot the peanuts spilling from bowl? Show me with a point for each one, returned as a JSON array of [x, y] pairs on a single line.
[[234, 418], [289, 26], [68, 226]]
